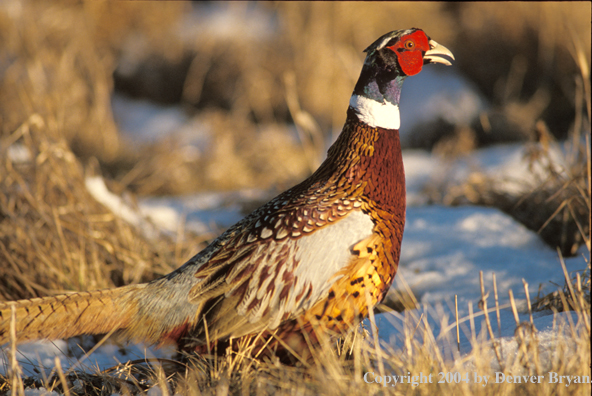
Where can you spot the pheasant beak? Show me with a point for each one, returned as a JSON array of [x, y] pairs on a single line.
[[437, 53]]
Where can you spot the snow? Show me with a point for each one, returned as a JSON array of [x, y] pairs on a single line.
[[438, 93], [142, 122], [200, 213], [204, 212], [41, 354], [445, 247], [225, 22], [505, 166], [18, 154], [38, 392]]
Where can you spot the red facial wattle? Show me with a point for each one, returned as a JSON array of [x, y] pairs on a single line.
[[410, 50]]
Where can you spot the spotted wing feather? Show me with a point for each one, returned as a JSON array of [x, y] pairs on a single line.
[[265, 280]]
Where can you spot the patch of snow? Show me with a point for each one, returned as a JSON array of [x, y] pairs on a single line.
[[438, 93], [226, 21], [443, 251], [19, 154], [202, 213], [34, 356], [97, 188], [142, 122], [395, 327], [444, 248], [420, 168], [507, 164], [145, 120]]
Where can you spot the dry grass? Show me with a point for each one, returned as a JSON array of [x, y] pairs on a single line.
[[55, 94], [311, 57], [54, 236], [339, 369]]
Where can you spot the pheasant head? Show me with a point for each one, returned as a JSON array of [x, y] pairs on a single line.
[[389, 60]]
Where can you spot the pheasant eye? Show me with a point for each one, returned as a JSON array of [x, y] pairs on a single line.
[[409, 45]]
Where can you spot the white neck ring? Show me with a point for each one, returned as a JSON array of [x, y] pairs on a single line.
[[376, 114]]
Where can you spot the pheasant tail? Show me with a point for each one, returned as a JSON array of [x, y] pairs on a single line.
[[68, 315]]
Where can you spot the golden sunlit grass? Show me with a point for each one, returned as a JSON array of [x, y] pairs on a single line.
[[54, 236], [312, 57], [57, 62], [430, 364]]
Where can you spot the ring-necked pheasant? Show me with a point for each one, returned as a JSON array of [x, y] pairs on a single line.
[[317, 256]]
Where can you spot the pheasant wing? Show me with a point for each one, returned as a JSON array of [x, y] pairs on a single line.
[[277, 263]]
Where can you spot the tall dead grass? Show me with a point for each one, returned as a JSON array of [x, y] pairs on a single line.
[[53, 235], [57, 61], [66, 53], [429, 363]]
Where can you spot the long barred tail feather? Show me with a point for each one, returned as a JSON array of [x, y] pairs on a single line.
[[69, 315]]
